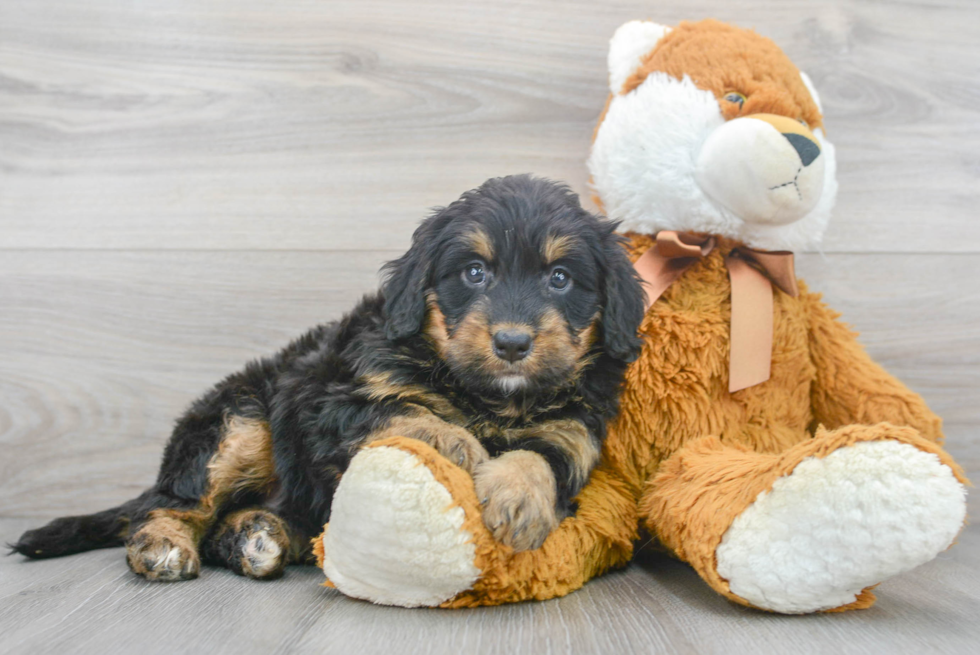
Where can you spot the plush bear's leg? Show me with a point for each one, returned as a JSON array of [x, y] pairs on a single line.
[[812, 528], [406, 529]]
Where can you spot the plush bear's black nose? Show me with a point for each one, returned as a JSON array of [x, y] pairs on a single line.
[[805, 148], [511, 345]]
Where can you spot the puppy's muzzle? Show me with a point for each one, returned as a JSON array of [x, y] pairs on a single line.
[[512, 345]]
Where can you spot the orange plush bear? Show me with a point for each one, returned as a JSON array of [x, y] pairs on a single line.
[[757, 440]]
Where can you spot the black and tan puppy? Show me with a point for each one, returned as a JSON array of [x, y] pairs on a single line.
[[500, 338]]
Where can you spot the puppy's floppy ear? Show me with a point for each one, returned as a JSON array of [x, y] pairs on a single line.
[[623, 309], [407, 278]]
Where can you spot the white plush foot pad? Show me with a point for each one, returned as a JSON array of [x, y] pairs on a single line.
[[394, 538], [839, 524]]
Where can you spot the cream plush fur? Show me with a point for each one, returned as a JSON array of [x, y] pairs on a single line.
[[836, 525], [397, 531]]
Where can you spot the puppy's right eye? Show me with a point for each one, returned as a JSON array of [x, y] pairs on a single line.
[[474, 274]]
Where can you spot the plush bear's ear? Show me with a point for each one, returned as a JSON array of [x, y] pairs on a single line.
[[629, 44], [813, 91]]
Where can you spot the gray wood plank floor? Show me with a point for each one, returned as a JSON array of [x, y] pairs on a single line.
[[187, 185]]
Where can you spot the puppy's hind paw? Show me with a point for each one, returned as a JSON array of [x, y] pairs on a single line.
[[162, 550], [264, 546]]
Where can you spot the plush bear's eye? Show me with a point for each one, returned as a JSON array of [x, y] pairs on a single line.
[[804, 123], [736, 98]]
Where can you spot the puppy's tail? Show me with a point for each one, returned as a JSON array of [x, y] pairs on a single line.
[[76, 534]]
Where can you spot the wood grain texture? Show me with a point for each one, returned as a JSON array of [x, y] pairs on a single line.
[[100, 351], [91, 603], [186, 185], [226, 125]]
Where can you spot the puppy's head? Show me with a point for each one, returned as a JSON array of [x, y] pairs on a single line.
[[517, 287]]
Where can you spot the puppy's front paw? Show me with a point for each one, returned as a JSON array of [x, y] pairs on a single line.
[[461, 448], [518, 494]]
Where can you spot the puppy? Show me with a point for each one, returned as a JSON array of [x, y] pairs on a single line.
[[500, 338]]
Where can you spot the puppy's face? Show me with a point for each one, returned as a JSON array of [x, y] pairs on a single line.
[[513, 307], [521, 288]]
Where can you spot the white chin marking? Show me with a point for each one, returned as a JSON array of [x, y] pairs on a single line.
[[839, 524], [511, 383]]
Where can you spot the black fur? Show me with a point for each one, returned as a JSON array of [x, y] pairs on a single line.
[[312, 393]]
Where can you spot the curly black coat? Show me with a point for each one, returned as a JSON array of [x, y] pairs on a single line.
[[506, 327]]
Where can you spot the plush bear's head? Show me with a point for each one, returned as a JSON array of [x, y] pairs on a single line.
[[711, 128]]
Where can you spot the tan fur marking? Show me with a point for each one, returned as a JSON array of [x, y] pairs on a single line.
[[243, 461], [556, 247], [511, 410], [569, 436], [471, 341], [519, 494], [557, 348], [378, 386], [470, 344], [481, 244], [454, 443], [435, 325]]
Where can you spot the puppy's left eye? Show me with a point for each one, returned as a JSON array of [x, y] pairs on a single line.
[[560, 279], [475, 274]]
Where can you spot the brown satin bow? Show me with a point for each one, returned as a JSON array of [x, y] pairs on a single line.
[[752, 273]]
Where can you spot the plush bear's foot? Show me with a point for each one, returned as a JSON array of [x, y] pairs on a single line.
[[839, 524], [396, 536]]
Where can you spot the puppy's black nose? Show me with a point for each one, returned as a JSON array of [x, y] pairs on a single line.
[[511, 345]]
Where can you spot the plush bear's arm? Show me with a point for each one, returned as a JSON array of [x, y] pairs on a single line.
[[850, 387], [407, 529]]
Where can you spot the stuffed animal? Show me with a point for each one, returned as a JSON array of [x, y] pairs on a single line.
[[757, 440]]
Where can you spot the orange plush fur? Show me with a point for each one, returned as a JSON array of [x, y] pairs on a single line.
[[722, 58], [686, 456]]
